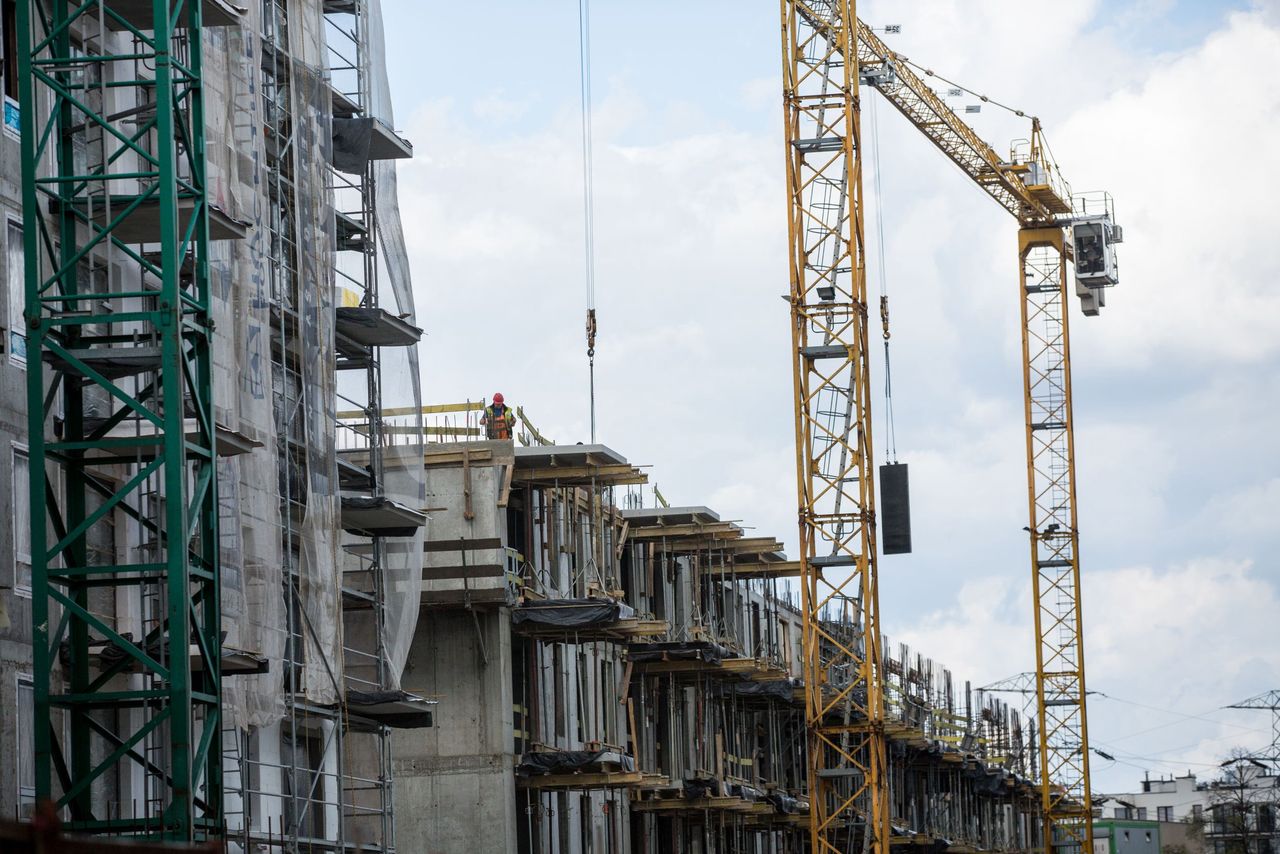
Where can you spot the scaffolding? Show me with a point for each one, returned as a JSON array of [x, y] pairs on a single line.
[[121, 419], [327, 784], [226, 576]]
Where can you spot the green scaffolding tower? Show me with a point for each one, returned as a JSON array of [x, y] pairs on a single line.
[[121, 420]]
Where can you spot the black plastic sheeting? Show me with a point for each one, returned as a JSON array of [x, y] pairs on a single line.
[[704, 651], [986, 783], [112, 653], [351, 141], [703, 788], [377, 502], [747, 793], [774, 689], [369, 318], [571, 613], [784, 804], [706, 787], [365, 703], [111, 362], [562, 761]]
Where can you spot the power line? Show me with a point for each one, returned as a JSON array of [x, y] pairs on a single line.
[[1179, 715]]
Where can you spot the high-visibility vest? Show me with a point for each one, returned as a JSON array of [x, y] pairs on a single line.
[[499, 423]]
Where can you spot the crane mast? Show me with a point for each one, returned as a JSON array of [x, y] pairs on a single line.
[[848, 781], [1029, 187]]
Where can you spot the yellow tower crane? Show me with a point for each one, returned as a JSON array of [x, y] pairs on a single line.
[[844, 709], [848, 783]]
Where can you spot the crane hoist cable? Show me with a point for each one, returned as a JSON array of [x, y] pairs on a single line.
[[588, 197], [891, 445]]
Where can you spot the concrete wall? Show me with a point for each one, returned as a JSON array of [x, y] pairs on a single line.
[[15, 609], [449, 574], [454, 782]]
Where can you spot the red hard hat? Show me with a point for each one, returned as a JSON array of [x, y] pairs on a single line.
[[497, 397]]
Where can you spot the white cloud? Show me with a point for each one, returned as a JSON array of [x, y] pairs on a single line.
[[1200, 258], [1249, 511], [1154, 638]]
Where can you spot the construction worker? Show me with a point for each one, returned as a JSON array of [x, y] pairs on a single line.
[[499, 419]]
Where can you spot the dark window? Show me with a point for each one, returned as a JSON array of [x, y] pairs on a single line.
[[562, 820], [26, 747], [304, 779], [9, 29], [15, 293], [557, 667]]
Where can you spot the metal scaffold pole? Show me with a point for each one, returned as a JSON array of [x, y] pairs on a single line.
[[121, 415]]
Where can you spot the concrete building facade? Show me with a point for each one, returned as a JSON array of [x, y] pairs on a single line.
[[612, 677]]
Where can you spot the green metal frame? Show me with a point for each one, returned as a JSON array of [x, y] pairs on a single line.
[[166, 697]]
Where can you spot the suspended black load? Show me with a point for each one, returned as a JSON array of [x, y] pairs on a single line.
[[895, 510]]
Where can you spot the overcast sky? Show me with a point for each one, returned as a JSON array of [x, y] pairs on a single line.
[[1171, 106]]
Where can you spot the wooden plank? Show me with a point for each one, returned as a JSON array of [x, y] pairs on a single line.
[[622, 541], [626, 683], [775, 569], [442, 573], [462, 545], [467, 512], [574, 473], [714, 530], [430, 409], [601, 780], [473, 598], [505, 494], [657, 781], [754, 545], [684, 804], [644, 628], [454, 457], [631, 719]]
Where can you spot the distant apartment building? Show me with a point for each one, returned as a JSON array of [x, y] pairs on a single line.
[[1172, 799], [1235, 814]]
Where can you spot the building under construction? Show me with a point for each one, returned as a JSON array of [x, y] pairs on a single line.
[[614, 677], [249, 596]]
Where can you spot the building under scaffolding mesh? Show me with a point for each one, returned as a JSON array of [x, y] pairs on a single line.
[[319, 518]]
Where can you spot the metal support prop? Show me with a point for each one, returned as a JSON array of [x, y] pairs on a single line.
[[1054, 542], [163, 690], [844, 708]]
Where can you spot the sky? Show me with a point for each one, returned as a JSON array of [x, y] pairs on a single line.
[[1168, 105]]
